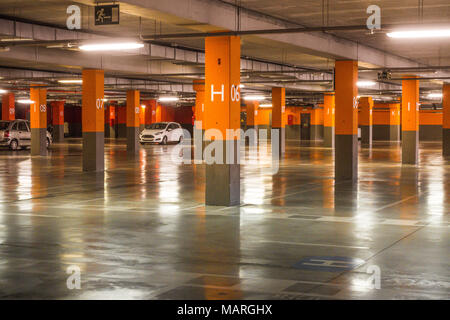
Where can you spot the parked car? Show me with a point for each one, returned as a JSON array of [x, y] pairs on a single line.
[[162, 133], [16, 134]]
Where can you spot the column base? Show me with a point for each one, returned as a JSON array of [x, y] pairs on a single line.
[[251, 137], [366, 136], [346, 157], [133, 139], [93, 151], [223, 180], [38, 141], [121, 130], [328, 137], [410, 147], [278, 142], [107, 131], [58, 133], [394, 132], [446, 142]]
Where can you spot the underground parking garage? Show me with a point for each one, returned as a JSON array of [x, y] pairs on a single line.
[[224, 150]]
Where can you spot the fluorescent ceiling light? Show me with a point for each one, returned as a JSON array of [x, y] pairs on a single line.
[[265, 105], [254, 98], [416, 34], [71, 81], [25, 101], [168, 99], [366, 83], [3, 91], [241, 86], [111, 46], [143, 106], [435, 96]]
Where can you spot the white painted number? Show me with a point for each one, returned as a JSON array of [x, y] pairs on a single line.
[[235, 93], [43, 108], [99, 104], [74, 280], [137, 110]]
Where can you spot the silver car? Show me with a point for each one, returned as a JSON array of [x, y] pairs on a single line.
[[16, 134]]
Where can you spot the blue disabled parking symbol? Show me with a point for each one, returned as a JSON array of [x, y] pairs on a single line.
[[328, 264]]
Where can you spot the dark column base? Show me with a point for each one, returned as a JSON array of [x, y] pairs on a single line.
[[93, 151], [199, 144], [251, 137], [132, 139], [223, 180], [58, 133], [366, 136], [122, 130], [446, 142], [410, 147], [293, 131], [278, 146], [328, 137], [346, 157], [112, 132], [107, 131], [394, 132], [39, 142], [316, 132]]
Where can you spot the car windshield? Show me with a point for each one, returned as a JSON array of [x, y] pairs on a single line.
[[156, 126], [4, 125]]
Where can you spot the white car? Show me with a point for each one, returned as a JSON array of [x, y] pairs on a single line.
[[162, 133]]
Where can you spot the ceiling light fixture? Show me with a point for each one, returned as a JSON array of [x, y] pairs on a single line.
[[254, 98], [3, 91], [365, 83], [435, 96], [168, 99], [418, 34], [265, 105], [71, 81], [111, 46], [25, 101]]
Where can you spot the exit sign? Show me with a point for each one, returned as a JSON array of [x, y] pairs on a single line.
[[107, 14]]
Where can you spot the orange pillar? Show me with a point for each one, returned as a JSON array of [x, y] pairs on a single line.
[[446, 120], [150, 111], [38, 120], [366, 120], [58, 120], [394, 121], [93, 119], [328, 119], [278, 121], [8, 107], [222, 114], [410, 120], [133, 109], [251, 134], [346, 154]]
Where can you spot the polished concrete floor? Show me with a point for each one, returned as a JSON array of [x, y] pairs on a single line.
[[141, 230]]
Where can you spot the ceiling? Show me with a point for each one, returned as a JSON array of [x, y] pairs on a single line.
[[135, 21]]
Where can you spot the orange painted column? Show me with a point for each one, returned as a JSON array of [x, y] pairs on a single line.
[[278, 121], [38, 120], [58, 120], [93, 120], [346, 154], [8, 107], [133, 110], [410, 120], [251, 133], [328, 119], [366, 120], [446, 120], [394, 122], [150, 111], [222, 115]]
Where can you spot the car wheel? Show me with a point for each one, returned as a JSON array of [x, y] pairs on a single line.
[[13, 145], [164, 140]]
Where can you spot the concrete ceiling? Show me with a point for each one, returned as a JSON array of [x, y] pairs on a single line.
[[317, 51]]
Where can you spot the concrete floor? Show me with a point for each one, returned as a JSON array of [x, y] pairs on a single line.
[[141, 231]]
